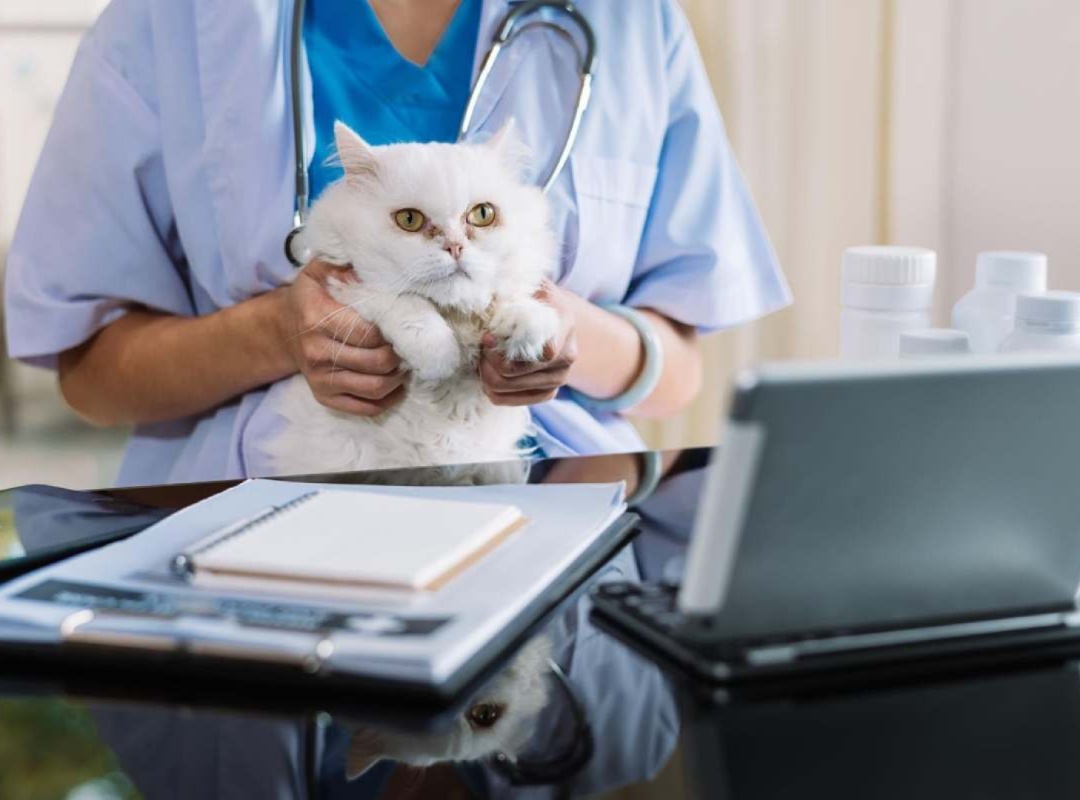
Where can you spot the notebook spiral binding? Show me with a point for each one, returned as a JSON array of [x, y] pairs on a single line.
[[183, 564]]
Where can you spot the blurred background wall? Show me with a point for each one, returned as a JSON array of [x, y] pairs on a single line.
[[40, 441], [951, 124]]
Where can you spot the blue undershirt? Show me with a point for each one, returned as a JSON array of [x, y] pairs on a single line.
[[358, 77]]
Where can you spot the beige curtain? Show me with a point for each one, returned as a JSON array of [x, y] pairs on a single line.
[[804, 88]]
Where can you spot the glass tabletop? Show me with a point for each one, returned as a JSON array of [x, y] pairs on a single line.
[[570, 713]]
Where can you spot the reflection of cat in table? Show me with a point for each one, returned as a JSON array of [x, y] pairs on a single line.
[[498, 720]]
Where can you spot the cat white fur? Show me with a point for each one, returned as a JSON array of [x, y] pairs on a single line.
[[519, 693], [431, 306]]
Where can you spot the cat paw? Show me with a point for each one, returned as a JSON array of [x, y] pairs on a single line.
[[523, 328], [431, 357]]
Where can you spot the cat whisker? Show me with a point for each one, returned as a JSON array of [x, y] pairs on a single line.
[[319, 324], [372, 324]]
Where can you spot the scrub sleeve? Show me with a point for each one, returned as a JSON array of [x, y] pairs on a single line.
[[96, 234]]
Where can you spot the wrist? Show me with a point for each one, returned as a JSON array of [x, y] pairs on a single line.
[[612, 355], [641, 373], [260, 323]]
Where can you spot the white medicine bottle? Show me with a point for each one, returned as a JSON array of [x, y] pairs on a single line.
[[986, 312], [1045, 323], [885, 291], [931, 342]]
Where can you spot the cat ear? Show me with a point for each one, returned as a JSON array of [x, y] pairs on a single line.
[[365, 751], [511, 149], [356, 155]]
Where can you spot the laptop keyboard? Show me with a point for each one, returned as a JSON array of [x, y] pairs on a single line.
[[655, 604]]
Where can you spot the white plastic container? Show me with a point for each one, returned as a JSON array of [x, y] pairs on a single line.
[[934, 342], [885, 291], [1047, 322], [987, 311]]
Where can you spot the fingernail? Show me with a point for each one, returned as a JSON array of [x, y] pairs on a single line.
[[489, 340]]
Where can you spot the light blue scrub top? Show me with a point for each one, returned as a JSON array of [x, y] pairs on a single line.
[[166, 181], [358, 77]]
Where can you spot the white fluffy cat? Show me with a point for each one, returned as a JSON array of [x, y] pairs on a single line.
[[447, 242]]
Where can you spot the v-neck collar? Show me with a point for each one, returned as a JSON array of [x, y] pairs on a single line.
[[447, 36], [355, 25]]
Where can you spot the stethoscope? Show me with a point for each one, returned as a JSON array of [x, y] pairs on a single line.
[[295, 247]]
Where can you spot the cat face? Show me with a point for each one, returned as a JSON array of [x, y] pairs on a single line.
[[499, 720], [450, 222]]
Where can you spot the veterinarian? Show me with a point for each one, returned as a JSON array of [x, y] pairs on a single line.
[[148, 270]]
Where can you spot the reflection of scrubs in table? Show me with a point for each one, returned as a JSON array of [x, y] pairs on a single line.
[[166, 182]]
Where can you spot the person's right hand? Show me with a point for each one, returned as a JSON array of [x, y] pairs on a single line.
[[346, 361]]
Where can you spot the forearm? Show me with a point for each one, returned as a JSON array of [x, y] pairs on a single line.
[[611, 355], [148, 367]]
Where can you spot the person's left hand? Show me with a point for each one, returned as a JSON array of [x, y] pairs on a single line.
[[526, 383]]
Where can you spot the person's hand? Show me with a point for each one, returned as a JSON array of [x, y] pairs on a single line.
[[526, 383], [346, 361]]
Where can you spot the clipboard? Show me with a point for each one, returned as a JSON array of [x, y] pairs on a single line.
[[108, 641]]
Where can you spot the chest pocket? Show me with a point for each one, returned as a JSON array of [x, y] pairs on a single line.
[[612, 202]]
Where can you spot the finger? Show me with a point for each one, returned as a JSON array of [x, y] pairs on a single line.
[[534, 381], [363, 387], [351, 328], [318, 267], [570, 349], [350, 405], [509, 369], [322, 352], [560, 354], [389, 401], [321, 313], [513, 369], [522, 398], [370, 361]]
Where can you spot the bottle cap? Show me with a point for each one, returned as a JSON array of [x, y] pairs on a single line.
[[934, 342], [888, 278], [889, 266], [1013, 270], [1049, 308]]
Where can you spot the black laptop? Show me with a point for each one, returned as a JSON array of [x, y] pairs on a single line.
[[865, 515]]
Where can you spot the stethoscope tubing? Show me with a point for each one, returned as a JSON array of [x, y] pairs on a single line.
[[507, 29]]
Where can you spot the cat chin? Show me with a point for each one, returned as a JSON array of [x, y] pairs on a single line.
[[459, 293]]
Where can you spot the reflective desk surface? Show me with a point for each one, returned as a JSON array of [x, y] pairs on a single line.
[[602, 722]]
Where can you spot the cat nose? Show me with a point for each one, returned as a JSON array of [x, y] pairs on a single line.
[[453, 248]]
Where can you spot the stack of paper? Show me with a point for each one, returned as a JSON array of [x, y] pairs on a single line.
[[343, 538]]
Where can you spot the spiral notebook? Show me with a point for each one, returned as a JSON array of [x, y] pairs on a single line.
[[352, 539]]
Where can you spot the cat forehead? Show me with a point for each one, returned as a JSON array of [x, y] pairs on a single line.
[[442, 167]]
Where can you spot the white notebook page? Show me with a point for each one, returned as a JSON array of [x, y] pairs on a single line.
[[364, 539]]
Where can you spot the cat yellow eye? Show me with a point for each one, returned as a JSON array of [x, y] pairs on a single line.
[[409, 219], [481, 215]]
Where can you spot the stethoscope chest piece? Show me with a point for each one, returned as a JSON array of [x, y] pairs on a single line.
[[296, 248]]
